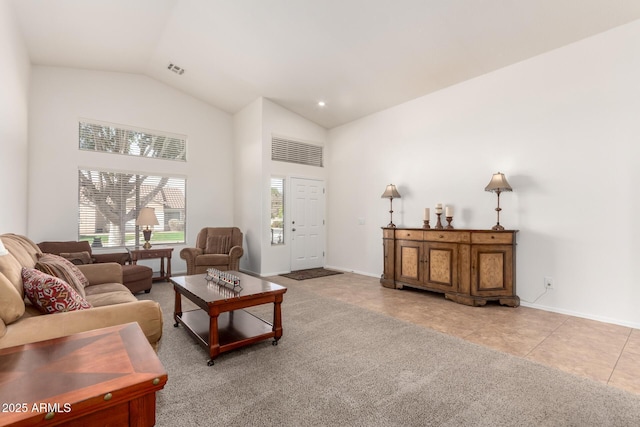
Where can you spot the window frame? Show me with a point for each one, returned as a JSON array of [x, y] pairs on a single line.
[[277, 232], [179, 152], [87, 211]]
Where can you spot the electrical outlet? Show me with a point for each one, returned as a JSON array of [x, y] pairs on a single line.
[[548, 283]]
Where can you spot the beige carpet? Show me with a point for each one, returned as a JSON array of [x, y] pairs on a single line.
[[341, 365]]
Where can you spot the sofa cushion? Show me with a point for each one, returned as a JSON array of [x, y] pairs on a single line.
[[11, 290], [218, 244], [64, 269], [111, 298], [77, 258], [105, 288], [51, 294], [212, 259], [11, 302]]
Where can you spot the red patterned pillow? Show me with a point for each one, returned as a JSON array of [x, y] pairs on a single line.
[[50, 294]]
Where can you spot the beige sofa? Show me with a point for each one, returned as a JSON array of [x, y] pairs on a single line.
[[113, 303]]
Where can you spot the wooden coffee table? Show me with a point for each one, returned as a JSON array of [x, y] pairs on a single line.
[[220, 324], [102, 377]]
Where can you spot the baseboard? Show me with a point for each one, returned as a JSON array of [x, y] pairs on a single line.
[[361, 273], [581, 315]]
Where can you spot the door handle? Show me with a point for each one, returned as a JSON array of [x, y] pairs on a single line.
[[293, 229]]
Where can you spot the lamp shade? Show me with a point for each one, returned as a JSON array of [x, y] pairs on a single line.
[[498, 183], [391, 192], [147, 216]]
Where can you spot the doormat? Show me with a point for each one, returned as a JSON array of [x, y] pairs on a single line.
[[311, 273]]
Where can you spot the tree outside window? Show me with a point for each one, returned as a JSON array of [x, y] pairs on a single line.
[[277, 211], [109, 201]]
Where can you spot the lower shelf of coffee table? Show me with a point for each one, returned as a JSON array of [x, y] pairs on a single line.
[[235, 328]]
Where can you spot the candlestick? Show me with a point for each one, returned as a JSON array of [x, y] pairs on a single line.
[[425, 224], [439, 224], [449, 226]]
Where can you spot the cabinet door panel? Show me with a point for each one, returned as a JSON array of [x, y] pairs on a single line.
[[442, 266], [408, 261], [492, 270]]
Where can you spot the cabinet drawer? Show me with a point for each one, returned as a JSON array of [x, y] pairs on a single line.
[[150, 253], [409, 235], [387, 234], [491, 238], [447, 236]]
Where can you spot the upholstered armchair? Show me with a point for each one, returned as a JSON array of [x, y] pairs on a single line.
[[216, 247]]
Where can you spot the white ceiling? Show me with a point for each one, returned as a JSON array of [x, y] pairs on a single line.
[[359, 56]]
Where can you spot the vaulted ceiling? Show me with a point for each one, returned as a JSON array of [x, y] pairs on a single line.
[[358, 56]]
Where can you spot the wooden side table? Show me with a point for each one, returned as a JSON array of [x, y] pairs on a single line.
[[106, 376], [161, 252]]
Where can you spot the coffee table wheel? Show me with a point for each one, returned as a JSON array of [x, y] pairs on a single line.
[[175, 325], [210, 362], [274, 342]]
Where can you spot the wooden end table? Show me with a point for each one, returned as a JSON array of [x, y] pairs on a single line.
[[106, 376], [220, 324], [161, 252]]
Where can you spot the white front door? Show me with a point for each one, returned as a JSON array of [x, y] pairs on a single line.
[[307, 224]]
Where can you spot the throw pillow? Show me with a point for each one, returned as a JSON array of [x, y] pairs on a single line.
[[218, 245], [64, 269], [77, 258], [50, 294]]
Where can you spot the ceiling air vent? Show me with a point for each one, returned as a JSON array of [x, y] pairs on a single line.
[[176, 69], [288, 150]]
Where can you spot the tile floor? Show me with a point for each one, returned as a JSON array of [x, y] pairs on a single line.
[[600, 351]]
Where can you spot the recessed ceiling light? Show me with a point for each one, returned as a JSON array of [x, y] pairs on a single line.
[[321, 104]]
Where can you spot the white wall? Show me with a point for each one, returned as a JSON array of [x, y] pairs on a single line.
[[248, 153], [253, 127], [279, 121], [61, 96], [14, 80], [564, 129]]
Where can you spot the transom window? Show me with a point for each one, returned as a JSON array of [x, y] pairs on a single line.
[[118, 139]]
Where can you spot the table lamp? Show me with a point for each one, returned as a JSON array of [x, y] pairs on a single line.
[[147, 217], [498, 184], [391, 193]]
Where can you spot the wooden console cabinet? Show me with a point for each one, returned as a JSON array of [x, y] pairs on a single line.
[[469, 266]]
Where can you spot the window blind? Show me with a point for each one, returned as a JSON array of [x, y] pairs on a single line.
[[110, 138], [288, 150], [109, 203]]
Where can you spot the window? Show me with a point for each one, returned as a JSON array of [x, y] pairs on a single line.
[[109, 203], [116, 139], [277, 211]]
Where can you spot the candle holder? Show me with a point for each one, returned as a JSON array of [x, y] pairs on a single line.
[[439, 224], [425, 224], [449, 226]]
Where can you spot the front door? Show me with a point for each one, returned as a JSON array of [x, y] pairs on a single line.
[[307, 224]]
